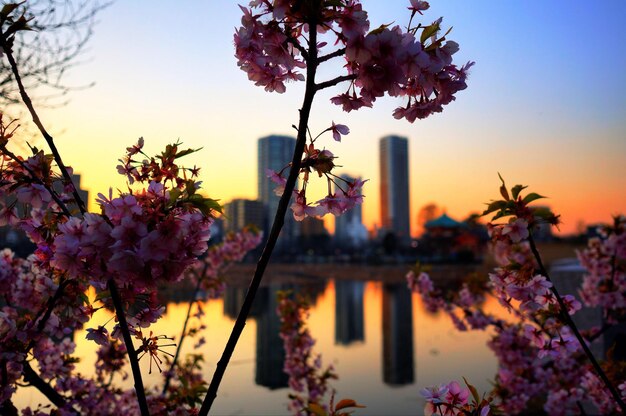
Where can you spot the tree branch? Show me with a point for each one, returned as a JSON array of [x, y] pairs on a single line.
[[279, 220], [30, 376], [50, 190], [132, 353], [334, 81], [567, 319], [183, 333], [31, 109], [337, 53], [47, 311]]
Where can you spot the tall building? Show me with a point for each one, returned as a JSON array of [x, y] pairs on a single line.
[[394, 186], [349, 228], [275, 152], [242, 212]]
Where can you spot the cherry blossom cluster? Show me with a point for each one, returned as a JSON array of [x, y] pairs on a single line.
[[278, 41], [604, 284], [155, 230], [142, 237], [536, 363], [272, 48], [209, 272], [451, 399], [307, 378], [27, 325], [541, 363], [145, 236], [346, 193]]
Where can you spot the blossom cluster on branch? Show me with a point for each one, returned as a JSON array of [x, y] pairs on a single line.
[[278, 41], [156, 229], [416, 63], [307, 377], [542, 364], [144, 237]]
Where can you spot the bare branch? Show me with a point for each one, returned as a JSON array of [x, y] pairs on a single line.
[[62, 29]]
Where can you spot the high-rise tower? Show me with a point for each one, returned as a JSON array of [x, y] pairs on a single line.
[[394, 186], [274, 152]]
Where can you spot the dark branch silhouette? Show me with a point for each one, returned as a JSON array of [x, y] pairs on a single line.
[[61, 31]]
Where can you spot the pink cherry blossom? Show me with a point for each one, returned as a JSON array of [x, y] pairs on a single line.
[[339, 130]]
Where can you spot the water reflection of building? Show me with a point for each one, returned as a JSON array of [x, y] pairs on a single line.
[[270, 352], [349, 311], [233, 301], [397, 335]]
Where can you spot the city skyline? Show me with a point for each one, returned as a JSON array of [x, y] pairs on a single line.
[[520, 115]]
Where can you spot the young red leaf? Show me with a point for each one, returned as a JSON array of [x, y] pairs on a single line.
[[345, 403]]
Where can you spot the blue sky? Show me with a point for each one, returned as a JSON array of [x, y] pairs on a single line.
[[545, 106]]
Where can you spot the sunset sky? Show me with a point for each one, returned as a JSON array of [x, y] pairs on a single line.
[[545, 106]]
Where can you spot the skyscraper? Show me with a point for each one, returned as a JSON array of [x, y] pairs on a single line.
[[240, 213], [394, 186], [274, 152]]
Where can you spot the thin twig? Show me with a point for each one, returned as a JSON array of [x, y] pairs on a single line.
[[47, 311], [335, 54], [31, 109], [334, 81], [279, 220], [570, 322], [130, 349], [50, 190], [183, 333]]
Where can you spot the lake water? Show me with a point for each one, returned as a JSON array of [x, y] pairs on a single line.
[[383, 344]]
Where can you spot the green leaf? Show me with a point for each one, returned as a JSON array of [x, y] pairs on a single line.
[[429, 31], [516, 190], [186, 152], [503, 191], [174, 194], [316, 409], [532, 197], [190, 187], [205, 205], [473, 390], [380, 28], [499, 215], [494, 206], [214, 205], [103, 295]]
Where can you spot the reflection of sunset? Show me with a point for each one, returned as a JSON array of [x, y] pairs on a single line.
[[441, 353]]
